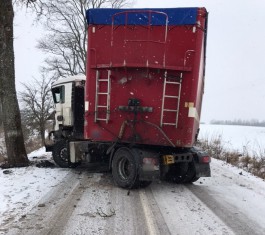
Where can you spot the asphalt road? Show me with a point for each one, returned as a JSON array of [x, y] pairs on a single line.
[[90, 203]]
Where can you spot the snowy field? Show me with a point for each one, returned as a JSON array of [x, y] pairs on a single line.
[[236, 137]]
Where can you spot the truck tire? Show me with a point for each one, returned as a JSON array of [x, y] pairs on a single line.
[[125, 169], [190, 176], [195, 178], [60, 155]]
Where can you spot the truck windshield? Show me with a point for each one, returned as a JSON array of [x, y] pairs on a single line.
[[58, 94]]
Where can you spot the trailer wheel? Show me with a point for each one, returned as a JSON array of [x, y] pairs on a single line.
[[60, 155], [124, 169]]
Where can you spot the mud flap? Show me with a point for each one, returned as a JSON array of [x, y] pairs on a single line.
[[202, 169], [201, 163], [148, 162]]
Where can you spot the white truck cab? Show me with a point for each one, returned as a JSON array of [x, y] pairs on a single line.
[[68, 96]]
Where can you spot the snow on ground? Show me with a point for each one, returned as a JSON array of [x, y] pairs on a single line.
[[239, 188], [22, 188], [225, 203], [236, 137]]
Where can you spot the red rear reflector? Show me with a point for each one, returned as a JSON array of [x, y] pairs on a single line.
[[205, 159]]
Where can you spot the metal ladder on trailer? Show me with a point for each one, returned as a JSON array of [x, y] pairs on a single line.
[[99, 93], [165, 96]]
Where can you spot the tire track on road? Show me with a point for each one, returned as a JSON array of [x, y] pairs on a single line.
[[238, 222], [148, 214], [184, 213], [54, 210], [161, 224]]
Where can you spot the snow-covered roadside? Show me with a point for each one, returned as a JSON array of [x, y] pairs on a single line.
[[238, 189], [22, 188]]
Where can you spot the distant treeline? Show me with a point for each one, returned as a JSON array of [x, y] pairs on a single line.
[[239, 122]]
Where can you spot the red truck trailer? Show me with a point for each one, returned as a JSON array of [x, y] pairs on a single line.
[[138, 109]]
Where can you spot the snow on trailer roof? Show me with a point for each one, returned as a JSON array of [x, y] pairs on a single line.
[[75, 78], [134, 16]]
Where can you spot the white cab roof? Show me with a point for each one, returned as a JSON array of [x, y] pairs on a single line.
[[75, 78]]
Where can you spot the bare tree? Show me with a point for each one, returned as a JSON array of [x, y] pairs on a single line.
[[37, 104], [14, 139], [66, 38], [66, 45]]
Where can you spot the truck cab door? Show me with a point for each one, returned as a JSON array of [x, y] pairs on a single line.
[[63, 105]]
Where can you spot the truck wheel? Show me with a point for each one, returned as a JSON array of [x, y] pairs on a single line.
[[194, 179], [124, 169], [61, 155], [190, 176]]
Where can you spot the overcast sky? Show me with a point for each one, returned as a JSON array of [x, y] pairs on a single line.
[[235, 67]]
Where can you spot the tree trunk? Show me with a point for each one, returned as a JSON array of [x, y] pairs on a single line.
[[16, 152], [42, 132]]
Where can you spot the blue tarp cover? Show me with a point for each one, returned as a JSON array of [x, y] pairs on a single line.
[[176, 16]]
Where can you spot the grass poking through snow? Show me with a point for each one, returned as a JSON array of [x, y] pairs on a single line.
[[250, 161]]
